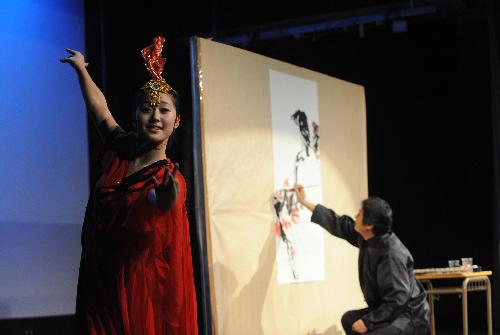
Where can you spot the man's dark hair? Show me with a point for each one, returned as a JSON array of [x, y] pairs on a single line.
[[377, 212]]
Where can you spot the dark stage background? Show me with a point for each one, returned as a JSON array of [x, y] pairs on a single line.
[[431, 84]]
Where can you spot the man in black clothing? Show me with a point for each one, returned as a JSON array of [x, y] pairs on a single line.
[[396, 300]]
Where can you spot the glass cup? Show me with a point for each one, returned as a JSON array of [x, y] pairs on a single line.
[[455, 263], [467, 264]]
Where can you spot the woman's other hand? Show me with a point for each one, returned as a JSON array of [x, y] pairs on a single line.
[[168, 190]]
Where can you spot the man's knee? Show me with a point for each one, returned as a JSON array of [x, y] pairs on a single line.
[[348, 319], [344, 319]]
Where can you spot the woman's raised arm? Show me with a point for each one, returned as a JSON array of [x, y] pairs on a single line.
[[94, 98]]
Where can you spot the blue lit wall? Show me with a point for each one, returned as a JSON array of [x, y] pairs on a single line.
[[43, 152]]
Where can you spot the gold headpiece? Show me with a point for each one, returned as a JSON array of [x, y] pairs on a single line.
[[154, 63]]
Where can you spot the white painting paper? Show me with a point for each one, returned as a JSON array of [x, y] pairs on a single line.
[[296, 147]]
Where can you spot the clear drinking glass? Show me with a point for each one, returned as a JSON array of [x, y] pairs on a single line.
[[467, 264]]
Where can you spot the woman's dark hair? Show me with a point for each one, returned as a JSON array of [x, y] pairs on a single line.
[[140, 96], [377, 212]]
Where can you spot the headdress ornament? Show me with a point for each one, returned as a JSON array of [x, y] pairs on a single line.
[[154, 63]]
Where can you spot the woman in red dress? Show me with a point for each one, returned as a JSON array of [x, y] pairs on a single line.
[[136, 274]]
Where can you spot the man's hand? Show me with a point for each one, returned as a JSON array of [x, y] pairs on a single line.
[[359, 327], [167, 191], [300, 193], [301, 197]]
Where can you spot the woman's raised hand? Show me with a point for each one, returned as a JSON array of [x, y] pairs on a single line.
[[167, 191], [75, 59]]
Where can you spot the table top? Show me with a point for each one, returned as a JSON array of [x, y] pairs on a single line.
[[451, 275]]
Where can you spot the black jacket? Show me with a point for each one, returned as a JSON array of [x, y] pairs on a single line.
[[386, 276]]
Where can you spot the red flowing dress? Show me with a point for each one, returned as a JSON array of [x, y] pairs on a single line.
[[136, 274]]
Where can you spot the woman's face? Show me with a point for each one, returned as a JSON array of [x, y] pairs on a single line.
[[156, 123]]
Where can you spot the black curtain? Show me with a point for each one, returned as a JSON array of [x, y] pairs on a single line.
[[494, 34]]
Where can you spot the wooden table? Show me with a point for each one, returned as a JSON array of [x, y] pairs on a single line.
[[471, 281]]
